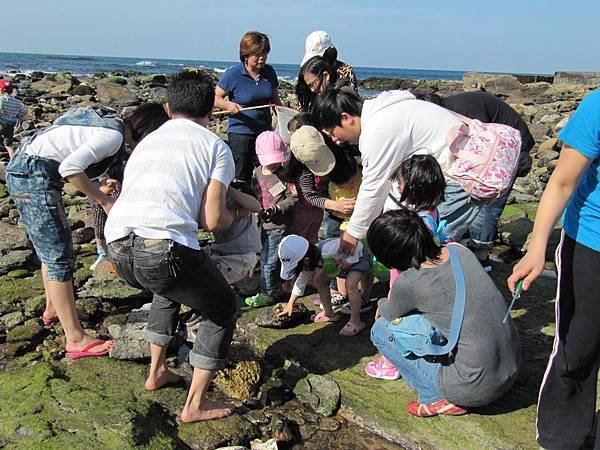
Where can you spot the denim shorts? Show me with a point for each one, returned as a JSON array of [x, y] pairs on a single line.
[[36, 186]]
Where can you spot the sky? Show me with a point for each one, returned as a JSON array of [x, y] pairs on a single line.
[[519, 36]]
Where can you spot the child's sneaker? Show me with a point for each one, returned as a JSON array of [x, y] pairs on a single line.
[[257, 301], [383, 369], [365, 305], [338, 301]]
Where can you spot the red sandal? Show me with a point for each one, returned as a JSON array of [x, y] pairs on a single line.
[[433, 409]]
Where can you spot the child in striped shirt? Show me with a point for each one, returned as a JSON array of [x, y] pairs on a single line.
[[11, 109]]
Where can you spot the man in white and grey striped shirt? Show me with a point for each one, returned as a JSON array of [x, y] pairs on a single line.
[[11, 109]]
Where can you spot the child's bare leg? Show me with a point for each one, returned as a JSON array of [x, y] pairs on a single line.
[[366, 284], [354, 297], [322, 282], [341, 284]]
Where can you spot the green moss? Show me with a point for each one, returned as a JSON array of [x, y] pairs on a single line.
[[116, 80], [18, 273], [18, 290]]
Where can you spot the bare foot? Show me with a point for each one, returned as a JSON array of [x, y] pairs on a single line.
[[209, 410], [166, 377]]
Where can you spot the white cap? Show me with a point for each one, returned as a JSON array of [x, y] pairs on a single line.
[[292, 249], [316, 44]]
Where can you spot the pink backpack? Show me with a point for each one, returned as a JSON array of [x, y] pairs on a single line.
[[483, 157]]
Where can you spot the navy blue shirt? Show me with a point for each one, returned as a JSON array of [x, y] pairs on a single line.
[[244, 90]]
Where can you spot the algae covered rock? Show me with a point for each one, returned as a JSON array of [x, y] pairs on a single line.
[[241, 377], [110, 287], [320, 392]]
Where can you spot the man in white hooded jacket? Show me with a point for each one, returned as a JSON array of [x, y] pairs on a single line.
[[389, 129]]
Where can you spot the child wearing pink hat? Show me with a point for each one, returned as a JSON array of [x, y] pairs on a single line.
[[276, 197]]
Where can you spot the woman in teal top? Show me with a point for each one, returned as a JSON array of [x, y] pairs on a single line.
[[567, 401], [251, 83]]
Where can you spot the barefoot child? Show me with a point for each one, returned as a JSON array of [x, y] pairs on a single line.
[[277, 199], [300, 258]]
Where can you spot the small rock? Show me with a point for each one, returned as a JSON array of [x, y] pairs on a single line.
[[257, 444], [329, 424], [270, 319], [83, 235], [13, 319], [29, 332]]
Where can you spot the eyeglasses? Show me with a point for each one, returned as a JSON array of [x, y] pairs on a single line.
[[314, 85]]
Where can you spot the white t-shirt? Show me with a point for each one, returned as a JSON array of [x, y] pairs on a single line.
[[164, 183], [395, 126], [76, 147]]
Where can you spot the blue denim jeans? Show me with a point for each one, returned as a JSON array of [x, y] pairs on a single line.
[[269, 261], [483, 229], [178, 275], [422, 374], [36, 188], [459, 209], [243, 149]]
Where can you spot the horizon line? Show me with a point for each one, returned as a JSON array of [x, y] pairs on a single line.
[[295, 64]]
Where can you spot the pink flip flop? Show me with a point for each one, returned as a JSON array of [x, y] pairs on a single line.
[[351, 329], [322, 317], [86, 351]]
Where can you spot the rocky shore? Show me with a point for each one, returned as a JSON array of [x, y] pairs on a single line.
[[298, 386]]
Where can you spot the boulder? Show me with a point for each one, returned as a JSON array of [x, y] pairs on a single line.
[[548, 145], [319, 392], [495, 84], [591, 79], [112, 93], [14, 259], [12, 237], [130, 343]]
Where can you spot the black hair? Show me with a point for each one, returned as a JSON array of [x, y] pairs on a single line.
[[313, 255], [317, 65], [191, 93], [431, 97], [329, 105], [345, 168], [291, 171], [144, 119], [423, 182], [400, 239], [298, 121]]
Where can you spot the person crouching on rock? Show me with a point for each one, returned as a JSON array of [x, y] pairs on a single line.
[[152, 241], [484, 363], [34, 176], [299, 258]]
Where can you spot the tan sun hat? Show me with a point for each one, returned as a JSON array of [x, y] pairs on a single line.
[[309, 147]]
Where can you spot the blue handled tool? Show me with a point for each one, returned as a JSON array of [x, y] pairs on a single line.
[[515, 296]]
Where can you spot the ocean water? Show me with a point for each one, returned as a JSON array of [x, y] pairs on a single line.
[[79, 65]]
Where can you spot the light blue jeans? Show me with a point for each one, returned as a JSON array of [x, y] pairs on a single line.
[[36, 188], [459, 209], [422, 374]]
